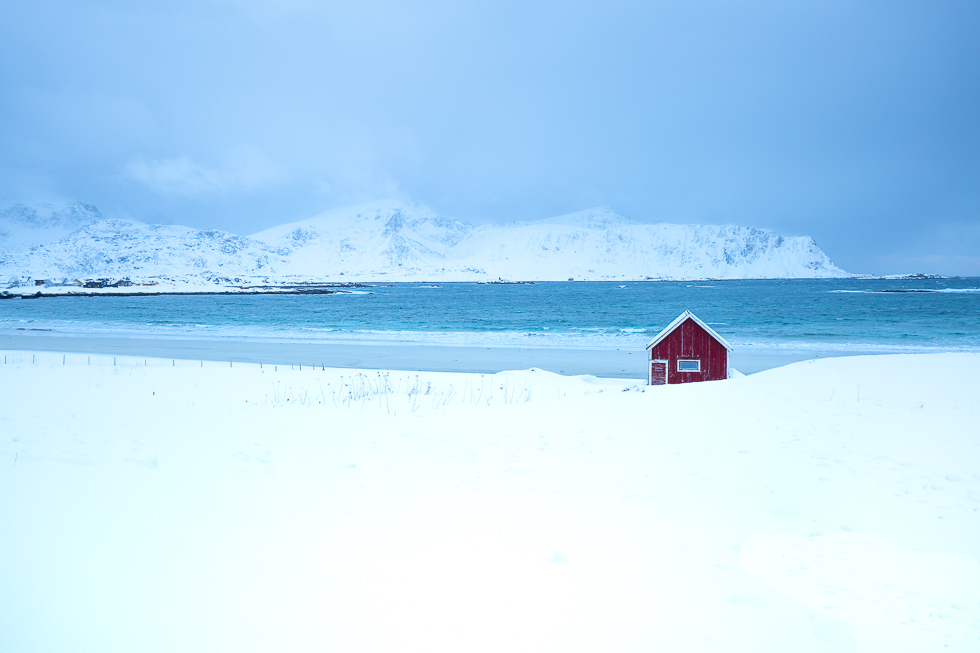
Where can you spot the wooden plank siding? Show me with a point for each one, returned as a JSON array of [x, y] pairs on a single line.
[[690, 341]]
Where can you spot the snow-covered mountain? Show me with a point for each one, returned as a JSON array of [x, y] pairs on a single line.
[[380, 239], [401, 241], [23, 226], [120, 248], [601, 244]]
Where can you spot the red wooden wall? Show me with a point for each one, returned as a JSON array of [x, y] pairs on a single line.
[[689, 340]]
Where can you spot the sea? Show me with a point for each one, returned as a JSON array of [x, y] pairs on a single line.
[[845, 316]]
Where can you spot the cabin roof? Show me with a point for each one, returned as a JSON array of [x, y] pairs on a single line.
[[679, 321]]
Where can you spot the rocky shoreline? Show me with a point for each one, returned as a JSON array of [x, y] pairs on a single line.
[[157, 293]]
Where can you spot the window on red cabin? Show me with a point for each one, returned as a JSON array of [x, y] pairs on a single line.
[[689, 365]]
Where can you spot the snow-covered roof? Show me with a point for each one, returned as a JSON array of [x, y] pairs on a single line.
[[679, 321]]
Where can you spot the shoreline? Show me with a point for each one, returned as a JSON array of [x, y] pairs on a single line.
[[605, 363]]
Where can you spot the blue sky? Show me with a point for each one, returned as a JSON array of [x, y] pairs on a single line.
[[852, 122]]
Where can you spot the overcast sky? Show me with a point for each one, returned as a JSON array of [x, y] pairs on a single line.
[[855, 122]]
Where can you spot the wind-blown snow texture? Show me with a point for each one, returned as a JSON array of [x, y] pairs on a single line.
[[400, 241], [164, 505]]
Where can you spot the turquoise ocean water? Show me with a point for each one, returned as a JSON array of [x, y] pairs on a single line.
[[846, 315]]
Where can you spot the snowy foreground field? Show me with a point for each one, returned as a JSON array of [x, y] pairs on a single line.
[[178, 506]]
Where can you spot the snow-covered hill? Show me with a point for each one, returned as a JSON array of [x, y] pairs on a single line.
[[400, 241]]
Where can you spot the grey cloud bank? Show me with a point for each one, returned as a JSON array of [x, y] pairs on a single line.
[[854, 123]]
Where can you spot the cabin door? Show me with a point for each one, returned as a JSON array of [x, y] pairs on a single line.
[[658, 372]]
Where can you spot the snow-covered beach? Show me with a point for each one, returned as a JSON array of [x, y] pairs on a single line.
[[162, 504], [393, 327]]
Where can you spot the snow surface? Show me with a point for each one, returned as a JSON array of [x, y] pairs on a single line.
[[393, 240], [160, 505]]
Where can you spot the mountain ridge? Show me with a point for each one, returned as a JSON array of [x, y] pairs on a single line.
[[401, 241]]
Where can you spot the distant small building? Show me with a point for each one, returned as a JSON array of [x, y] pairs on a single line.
[[688, 350]]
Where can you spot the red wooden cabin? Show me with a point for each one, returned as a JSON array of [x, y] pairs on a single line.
[[687, 350]]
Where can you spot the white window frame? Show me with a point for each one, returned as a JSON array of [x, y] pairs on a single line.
[[688, 360]]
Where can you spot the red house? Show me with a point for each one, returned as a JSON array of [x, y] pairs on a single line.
[[687, 350]]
